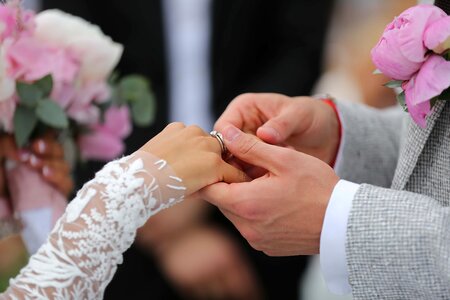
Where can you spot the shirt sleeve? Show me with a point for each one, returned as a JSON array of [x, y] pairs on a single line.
[[333, 259]]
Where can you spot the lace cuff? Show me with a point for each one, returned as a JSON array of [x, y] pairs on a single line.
[[83, 251]]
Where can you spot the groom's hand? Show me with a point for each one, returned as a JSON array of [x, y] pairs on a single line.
[[303, 123], [282, 212]]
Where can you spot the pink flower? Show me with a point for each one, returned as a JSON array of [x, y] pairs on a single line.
[[84, 114], [117, 121], [105, 142], [401, 51], [8, 22], [81, 107], [437, 35], [30, 60], [431, 80], [97, 52]]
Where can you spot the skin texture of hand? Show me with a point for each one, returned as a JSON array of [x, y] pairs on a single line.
[[44, 155], [194, 156], [205, 263], [280, 213], [303, 123]]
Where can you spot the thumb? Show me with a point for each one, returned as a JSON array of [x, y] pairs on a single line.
[[278, 129], [250, 149]]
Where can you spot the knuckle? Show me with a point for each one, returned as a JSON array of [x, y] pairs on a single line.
[[242, 100], [244, 97], [176, 125], [203, 143], [247, 145], [195, 130], [247, 210], [286, 159], [252, 236]]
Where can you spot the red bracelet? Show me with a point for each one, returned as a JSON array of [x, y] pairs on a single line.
[[331, 103]]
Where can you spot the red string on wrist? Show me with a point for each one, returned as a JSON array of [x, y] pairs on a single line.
[[331, 103]]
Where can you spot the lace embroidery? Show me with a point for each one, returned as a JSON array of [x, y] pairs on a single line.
[[83, 251]]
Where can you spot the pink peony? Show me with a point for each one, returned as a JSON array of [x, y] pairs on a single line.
[[401, 51], [105, 142], [117, 120], [84, 114], [81, 108], [98, 53], [30, 60], [431, 80], [437, 35], [8, 22]]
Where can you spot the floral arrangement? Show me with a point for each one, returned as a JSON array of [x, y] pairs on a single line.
[[56, 74], [414, 52]]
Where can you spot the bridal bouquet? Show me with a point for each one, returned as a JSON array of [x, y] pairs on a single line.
[[56, 76], [414, 52]]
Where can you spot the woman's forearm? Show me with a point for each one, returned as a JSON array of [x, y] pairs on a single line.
[[82, 253]]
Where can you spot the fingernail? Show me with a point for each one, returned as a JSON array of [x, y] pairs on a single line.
[[34, 161], [41, 146], [46, 171], [271, 131], [231, 133], [24, 155]]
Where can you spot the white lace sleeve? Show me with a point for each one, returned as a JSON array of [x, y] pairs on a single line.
[[81, 254]]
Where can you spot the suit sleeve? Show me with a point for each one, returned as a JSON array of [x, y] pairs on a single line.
[[398, 245], [370, 143]]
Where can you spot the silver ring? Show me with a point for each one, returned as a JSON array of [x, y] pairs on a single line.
[[219, 137]]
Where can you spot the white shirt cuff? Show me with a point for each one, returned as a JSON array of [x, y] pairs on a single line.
[[333, 259]]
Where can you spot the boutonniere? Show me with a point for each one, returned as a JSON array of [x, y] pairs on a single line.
[[414, 52]]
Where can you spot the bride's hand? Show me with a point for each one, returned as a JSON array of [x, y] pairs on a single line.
[[194, 156]]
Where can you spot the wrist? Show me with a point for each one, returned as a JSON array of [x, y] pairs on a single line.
[[335, 128]]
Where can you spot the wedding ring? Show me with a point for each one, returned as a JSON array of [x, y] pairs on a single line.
[[219, 137]]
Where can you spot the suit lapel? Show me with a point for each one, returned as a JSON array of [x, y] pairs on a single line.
[[413, 147]]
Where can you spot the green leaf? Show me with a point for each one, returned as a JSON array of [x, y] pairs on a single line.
[[377, 72], [51, 114], [132, 87], [45, 85], [29, 94], [143, 110], [393, 84], [114, 78], [25, 122], [401, 98]]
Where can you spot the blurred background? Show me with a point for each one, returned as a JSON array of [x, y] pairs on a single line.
[[199, 55]]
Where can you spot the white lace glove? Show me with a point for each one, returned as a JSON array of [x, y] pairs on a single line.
[[83, 251]]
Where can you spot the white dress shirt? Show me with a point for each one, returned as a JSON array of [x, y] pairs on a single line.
[[188, 30]]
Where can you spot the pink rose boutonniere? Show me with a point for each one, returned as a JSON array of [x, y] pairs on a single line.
[[413, 51]]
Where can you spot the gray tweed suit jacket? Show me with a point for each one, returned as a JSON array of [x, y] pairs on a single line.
[[398, 234]]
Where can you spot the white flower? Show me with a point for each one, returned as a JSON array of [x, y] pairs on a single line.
[[99, 54]]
